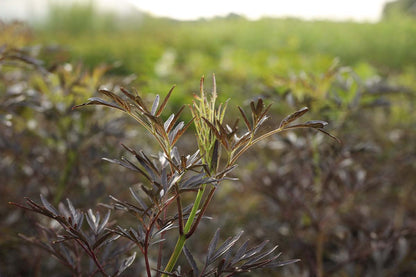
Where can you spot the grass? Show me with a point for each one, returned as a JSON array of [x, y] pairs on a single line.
[[227, 46]]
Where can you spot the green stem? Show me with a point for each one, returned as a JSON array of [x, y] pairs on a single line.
[[182, 238]]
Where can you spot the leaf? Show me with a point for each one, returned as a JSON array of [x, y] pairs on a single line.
[[255, 250], [138, 199], [165, 101], [116, 98], [316, 124], [331, 136], [292, 117], [72, 209], [212, 246], [245, 119], [48, 205], [226, 171], [105, 239], [265, 111], [127, 164], [92, 222], [155, 105], [261, 256], [215, 156], [126, 263], [175, 118], [226, 246], [240, 252], [168, 121], [259, 106], [164, 229], [175, 131], [213, 129], [67, 255], [283, 263], [98, 101], [104, 222], [181, 131], [191, 260]]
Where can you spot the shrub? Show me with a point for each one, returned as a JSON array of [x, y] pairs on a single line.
[[171, 178]]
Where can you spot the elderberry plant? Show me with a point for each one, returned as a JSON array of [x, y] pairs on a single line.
[[159, 205]]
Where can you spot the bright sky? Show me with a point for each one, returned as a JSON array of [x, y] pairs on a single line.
[[362, 10]]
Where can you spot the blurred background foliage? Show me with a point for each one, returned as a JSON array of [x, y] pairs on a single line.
[[345, 210]]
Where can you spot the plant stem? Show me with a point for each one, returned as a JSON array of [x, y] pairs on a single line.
[[182, 238], [319, 253]]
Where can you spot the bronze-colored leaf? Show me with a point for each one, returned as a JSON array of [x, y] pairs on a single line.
[[165, 101], [175, 118], [292, 117], [245, 119], [116, 98], [212, 127], [127, 93], [99, 101], [259, 106], [215, 156], [331, 136], [266, 110], [182, 131], [317, 124]]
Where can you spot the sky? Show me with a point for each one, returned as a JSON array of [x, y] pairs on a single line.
[[358, 10]]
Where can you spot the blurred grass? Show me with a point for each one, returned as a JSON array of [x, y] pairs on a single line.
[[161, 51]]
